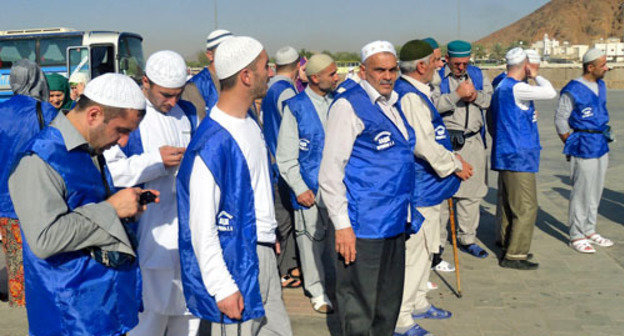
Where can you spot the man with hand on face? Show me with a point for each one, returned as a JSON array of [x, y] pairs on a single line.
[[438, 175], [366, 181], [515, 155], [225, 204], [299, 150], [79, 260], [461, 97], [582, 122], [151, 158]]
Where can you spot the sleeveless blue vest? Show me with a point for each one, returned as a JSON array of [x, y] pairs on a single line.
[[311, 142], [206, 87], [20, 125], [590, 114], [271, 116], [379, 175], [429, 188], [515, 137], [135, 144], [235, 221], [70, 293], [344, 86], [498, 79], [476, 75]]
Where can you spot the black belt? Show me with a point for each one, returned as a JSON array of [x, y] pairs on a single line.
[[588, 131], [271, 245], [470, 134]]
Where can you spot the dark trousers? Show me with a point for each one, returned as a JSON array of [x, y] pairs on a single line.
[[287, 259], [369, 291]]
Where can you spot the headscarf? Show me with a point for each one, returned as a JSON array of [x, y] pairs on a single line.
[[300, 83], [27, 79], [58, 82]]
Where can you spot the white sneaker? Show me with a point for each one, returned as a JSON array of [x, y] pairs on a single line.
[[321, 304], [444, 266]]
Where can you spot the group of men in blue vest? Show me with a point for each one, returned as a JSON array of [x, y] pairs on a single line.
[[368, 167]]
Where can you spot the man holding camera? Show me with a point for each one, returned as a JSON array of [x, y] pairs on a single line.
[[462, 95], [79, 259], [152, 157]]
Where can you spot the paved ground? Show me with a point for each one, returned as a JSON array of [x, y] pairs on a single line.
[[570, 294]]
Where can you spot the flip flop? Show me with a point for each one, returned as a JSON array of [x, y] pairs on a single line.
[[289, 282], [292, 272], [434, 313], [474, 250]]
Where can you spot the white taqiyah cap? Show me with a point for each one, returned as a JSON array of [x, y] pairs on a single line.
[[115, 90], [216, 37], [377, 47], [318, 63], [167, 69], [533, 56], [234, 54], [515, 56], [286, 55], [78, 77], [592, 55]]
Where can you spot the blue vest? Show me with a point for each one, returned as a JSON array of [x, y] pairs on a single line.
[[135, 144], [379, 175], [344, 86], [70, 293], [206, 87], [498, 79], [589, 114], [235, 221], [515, 137], [311, 141], [476, 76], [430, 189], [271, 116], [20, 125]]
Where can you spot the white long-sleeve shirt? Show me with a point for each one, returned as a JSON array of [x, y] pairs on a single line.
[[204, 203], [343, 127], [158, 225], [524, 93]]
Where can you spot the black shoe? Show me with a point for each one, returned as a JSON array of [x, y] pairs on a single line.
[[530, 256], [518, 264]]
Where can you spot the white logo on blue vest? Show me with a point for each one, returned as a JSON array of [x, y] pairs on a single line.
[[383, 140], [587, 112], [223, 221], [440, 133], [534, 117], [304, 144]]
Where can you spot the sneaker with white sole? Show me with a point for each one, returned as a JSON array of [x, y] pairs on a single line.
[[444, 266], [582, 246], [599, 240], [322, 304]]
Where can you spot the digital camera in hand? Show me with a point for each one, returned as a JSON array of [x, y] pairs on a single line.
[[147, 197]]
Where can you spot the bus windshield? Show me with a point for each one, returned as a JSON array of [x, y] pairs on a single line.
[[14, 50]]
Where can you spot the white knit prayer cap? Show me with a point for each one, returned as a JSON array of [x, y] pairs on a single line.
[[286, 55], [115, 90], [376, 47], [592, 55], [216, 37], [515, 56], [234, 54], [78, 77], [167, 69], [533, 56]]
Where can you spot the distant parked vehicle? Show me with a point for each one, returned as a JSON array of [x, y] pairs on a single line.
[[66, 50]]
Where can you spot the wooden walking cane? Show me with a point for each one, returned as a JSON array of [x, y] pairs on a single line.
[[454, 240]]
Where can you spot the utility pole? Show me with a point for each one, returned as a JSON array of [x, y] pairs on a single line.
[[216, 16], [458, 22]]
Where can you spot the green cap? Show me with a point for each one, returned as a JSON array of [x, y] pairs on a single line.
[[415, 50], [432, 42], [458, 48]]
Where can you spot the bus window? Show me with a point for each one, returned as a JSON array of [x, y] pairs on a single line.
[[53, 51], [14, 50], [102, 59], [131, 61]]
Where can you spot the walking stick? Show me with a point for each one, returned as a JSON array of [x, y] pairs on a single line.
[[454, 240]]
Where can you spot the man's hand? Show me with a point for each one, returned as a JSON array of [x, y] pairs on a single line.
[[465, 90], [531, 72], [278, 248], [306, 198], [564, 137], [466, 171], [345, 244], [232, 306], [171, 156], [126, 202]]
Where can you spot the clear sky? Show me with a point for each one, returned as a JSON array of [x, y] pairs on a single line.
[[182, 25]]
